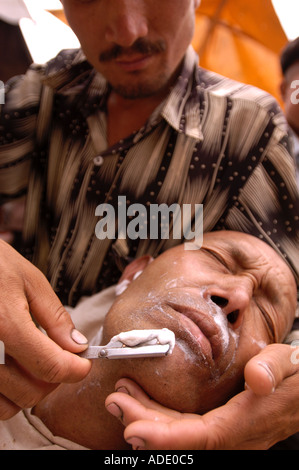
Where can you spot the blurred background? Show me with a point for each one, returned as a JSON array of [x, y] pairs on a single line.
[[241, 39]]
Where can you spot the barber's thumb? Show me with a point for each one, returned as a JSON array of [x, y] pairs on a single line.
[[63, 331], [265, 372], [53, 317]]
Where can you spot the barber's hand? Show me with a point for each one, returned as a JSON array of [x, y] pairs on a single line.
[[263, 414], [34, 363]]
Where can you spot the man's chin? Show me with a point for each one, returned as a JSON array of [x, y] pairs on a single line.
[[130, 93], [138, 86], [136, 92]]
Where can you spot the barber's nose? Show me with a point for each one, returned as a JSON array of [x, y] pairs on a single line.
[[126, 23], [233, 300]]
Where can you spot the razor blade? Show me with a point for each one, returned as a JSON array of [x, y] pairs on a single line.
[[118, 350]]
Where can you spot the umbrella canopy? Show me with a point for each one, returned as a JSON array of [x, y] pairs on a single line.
[[241, 39]]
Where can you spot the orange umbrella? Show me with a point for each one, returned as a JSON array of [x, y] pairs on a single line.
[[241, 39]]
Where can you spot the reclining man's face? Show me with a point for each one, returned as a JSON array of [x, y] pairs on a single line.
[[224, 303]]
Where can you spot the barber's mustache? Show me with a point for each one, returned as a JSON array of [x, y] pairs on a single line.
[[141, 46]]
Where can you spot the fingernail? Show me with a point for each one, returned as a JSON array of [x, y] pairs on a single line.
[[265, 366], [136, 443], [122, 389], [115, 410], [78, 337]]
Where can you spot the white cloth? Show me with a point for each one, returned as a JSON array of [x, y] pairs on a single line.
[[26, 431]]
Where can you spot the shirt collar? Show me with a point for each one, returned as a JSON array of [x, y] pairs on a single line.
[[182, 107]]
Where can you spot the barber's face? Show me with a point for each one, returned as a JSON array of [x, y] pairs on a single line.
[[136, 44], [224, 303]]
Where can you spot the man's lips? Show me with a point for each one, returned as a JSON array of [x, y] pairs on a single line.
[[203, 328], [132, 63]]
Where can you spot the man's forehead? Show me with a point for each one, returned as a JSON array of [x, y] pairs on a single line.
[[234, 243]]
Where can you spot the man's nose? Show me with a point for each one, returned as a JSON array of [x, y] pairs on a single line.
[[233, 299], [126, 22]]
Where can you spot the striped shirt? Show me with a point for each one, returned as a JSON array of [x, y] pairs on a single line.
[[212, 141]]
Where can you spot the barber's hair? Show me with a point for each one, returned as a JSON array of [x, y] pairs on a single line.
[[289, 55]]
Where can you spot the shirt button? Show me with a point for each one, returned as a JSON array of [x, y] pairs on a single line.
[[99, 160]]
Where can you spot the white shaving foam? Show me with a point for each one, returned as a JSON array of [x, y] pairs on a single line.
[[121, 287], [146, 337]]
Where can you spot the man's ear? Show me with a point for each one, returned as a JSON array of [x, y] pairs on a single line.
[[135, 267]]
